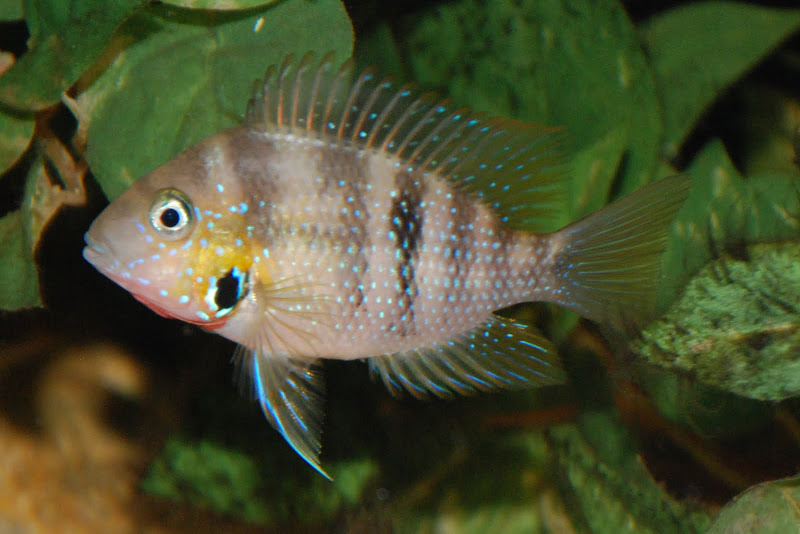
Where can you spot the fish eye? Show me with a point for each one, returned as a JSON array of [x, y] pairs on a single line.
[[171, 214]]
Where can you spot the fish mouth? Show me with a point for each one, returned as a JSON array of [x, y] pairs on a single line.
[[98, 254]]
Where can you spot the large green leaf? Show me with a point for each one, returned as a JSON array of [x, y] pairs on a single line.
[[610, 487], [574, 63], [183, 76], [11, 10], [19, 234], [66, 37], [725, 209], [737, 326], [15, 135], [700, 48]]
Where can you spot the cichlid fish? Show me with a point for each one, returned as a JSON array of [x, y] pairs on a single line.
[[350, 218]]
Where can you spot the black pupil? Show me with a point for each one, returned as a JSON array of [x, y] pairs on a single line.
[[170, 217], [227, 291]]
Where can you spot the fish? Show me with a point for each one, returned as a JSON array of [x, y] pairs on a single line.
[[354, 217]]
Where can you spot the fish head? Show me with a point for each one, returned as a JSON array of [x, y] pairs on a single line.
[[174, 242]]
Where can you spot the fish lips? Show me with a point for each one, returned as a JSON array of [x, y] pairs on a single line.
[[98, 254]]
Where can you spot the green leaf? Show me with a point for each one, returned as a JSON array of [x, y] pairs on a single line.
[[220, 4], [703, 409], [19, 234], [737, 326], [699, 49], [768, 508], [11, 10], [574, 63], [593, 171], [47, 161], [610, 488], [66, 37], [725, 209], [19, 282], [15, 135], [183, 76]]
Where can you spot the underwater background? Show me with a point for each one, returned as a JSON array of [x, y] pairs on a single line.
[[113, 419]]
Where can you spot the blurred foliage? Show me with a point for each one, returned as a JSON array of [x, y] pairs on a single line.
[[233, 483], [119, 87]]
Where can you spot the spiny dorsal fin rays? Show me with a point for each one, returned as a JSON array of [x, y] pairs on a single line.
[[497, 354], [292, 395], [514, 168]]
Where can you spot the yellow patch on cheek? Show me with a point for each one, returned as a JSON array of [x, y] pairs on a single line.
[[221, 277]]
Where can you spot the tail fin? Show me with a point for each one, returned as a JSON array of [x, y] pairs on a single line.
[[610, 260]]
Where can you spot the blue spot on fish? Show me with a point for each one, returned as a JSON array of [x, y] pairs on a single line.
[[220, 188], [163, 292], [184, 299]]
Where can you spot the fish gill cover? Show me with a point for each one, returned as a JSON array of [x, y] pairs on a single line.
[[117, 88]]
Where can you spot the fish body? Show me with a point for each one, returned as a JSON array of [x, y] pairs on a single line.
[[353, 219]]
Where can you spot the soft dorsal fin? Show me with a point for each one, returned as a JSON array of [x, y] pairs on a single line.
[[515, 168]]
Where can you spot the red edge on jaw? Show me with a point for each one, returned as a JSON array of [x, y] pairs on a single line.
[[210, 325]]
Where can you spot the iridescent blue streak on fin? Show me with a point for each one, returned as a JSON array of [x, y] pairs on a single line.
[[498, 354], [292, 395], [514, 168], [610, 263]]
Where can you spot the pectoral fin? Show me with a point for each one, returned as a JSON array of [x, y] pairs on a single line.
[[292, 395]]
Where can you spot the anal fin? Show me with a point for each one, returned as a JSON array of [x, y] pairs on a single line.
[[499, 354], [291, 394]]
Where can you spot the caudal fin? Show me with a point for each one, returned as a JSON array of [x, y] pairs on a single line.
[[610, 261]]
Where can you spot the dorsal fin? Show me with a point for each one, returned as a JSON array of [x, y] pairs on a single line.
[[513, 167]]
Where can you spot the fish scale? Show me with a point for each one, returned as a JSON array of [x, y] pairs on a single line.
[[350, 217]]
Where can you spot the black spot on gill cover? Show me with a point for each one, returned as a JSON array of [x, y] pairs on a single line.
[[228, 290]]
